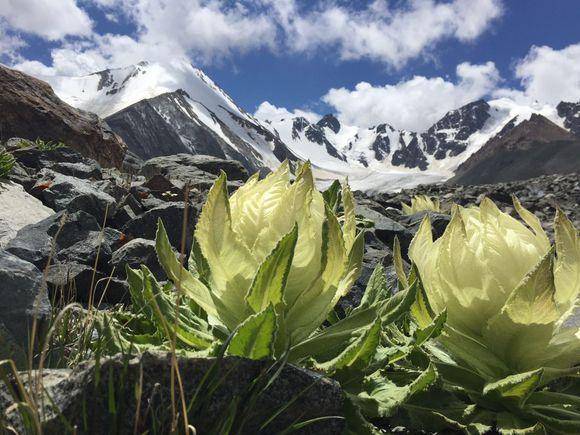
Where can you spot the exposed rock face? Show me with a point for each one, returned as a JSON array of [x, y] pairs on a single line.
[[447, 138], [82, 397], [148, 133], [382, 144], [329, 121], [462, 122], [31, 110], [17, 210], [410, 155], [315, 134], [532, 148], [571, 114]]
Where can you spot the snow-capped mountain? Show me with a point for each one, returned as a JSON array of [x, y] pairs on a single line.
[[439, 150], [161, 109]]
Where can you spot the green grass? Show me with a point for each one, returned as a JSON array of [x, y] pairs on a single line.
[[48, 145], [6, 164]]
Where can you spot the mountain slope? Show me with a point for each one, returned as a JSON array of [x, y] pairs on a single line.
[[532, 148], [170, 108]]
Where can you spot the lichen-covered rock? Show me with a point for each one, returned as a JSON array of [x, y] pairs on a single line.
[[108, 403]]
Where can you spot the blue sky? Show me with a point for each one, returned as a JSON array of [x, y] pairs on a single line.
[[364, 60], [296, 80]]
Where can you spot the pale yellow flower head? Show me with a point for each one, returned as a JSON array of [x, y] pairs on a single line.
[[507, 292]]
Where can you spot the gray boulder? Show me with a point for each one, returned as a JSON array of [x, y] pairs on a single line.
[[188, 167], [82, 397], [23, 298], [34, 242], [18, 210], [172, 214], [81, 283], [63, 192], [135, 253], [63, 160], [97, 247], [384, 228]]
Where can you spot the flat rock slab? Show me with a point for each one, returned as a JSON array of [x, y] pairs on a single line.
[[107, 402], [18, 209]]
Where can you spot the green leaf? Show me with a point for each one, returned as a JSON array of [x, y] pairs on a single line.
[[349, 227], [421, 310], [514, 389], [523, 329], [135, 281], [332, 195], [376, 289], [421, 335], [333, 339], [173, 320], [197, 263], [231, 262], [255, 337], [380, 397], [189, 284], [399, 304], [398, 263], [356, 354], [270, 281]]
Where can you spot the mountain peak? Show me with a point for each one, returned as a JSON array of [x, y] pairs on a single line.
[[330, 121]]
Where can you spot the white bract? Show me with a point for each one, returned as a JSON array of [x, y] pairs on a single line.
[[421, 203], [510, 297]]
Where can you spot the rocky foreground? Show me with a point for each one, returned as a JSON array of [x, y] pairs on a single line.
[[68, 222]]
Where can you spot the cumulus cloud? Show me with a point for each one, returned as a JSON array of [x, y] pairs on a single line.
[[210, 30], [549, 75], [381, 32], [201, 30], [269, 112], [413, 104], [52, 20], [9, 44]]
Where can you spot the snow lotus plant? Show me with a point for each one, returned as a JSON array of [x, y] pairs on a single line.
[[267, 267], [421, 203], [512, 320]]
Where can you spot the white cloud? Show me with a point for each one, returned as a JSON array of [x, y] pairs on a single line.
[[549, 75], [207, 29], [269, 112], [210, 30], [413, 104], [381, 33], [53, 20], [9, 44], [204, 31]]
